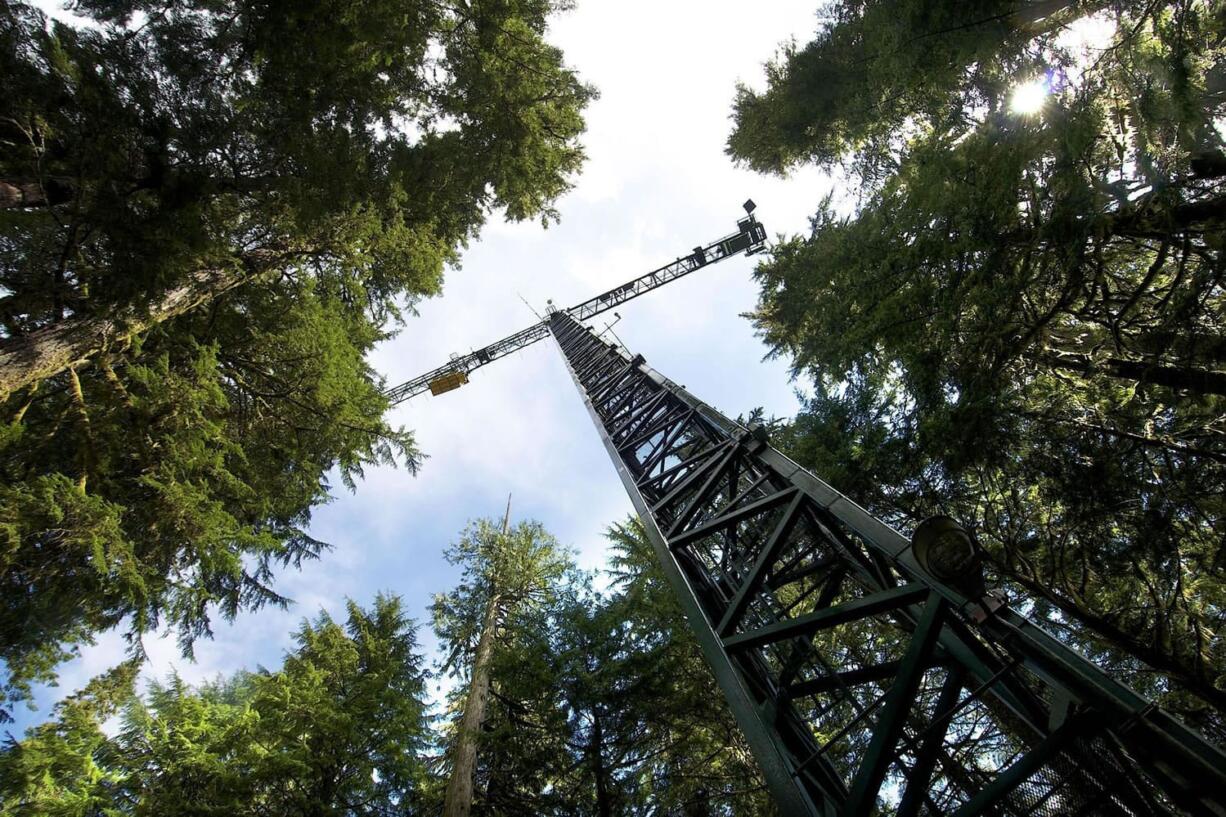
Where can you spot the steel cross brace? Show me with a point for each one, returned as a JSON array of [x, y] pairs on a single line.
[[858, 680]]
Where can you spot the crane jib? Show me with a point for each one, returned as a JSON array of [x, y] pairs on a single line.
[[749, 238]]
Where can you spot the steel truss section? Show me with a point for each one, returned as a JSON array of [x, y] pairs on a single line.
[[466, 363], [861, 683], [749, 238]]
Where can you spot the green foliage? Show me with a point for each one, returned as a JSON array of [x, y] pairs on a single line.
[[197, 470], [65, 767], [602, 704], [294, 178], [508, 576], [691, 758], [513, 572], [204, 133], [340, 729], [1020, 325], [874, 70]]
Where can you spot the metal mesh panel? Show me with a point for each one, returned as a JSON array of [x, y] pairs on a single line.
[[1090, 778]]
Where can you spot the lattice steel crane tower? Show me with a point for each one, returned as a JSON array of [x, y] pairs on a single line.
[[868, 672]]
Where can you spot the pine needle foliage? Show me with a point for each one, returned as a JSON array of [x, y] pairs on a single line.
[[210, 214], [1018, 320], [340, 730]]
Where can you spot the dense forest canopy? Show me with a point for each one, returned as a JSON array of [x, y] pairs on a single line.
[[341, 728], [1020, 321], [597, 704], [209, 213]]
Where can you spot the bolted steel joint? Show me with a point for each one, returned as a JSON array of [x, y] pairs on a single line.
[[753, 438]]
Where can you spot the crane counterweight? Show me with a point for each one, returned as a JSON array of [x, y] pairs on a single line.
[[447, 382]]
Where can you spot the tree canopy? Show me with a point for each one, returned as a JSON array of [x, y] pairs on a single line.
[[210, 213], [339, 729], [598, 703], [601, 703], [1019, 320], [505, 575]]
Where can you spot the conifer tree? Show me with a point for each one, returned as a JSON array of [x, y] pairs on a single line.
[[1020, 321], [217, 144], [602, 704], [211, 212], [67, 766], [505, 572], [339, 729], [689, 756]]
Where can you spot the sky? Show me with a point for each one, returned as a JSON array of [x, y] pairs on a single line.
[[656, 183]]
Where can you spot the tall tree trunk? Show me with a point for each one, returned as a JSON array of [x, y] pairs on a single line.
[[19, 193], [458, 800], [603, 805], [48, 351], [1183, 671], [1186, 378]]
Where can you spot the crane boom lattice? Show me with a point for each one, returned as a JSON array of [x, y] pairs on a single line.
[[749, 237]]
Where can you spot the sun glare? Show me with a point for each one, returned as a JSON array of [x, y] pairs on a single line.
[[1028, 97]]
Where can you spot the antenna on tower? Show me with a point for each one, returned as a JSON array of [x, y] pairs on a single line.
[[534, 312], [608, 327]]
